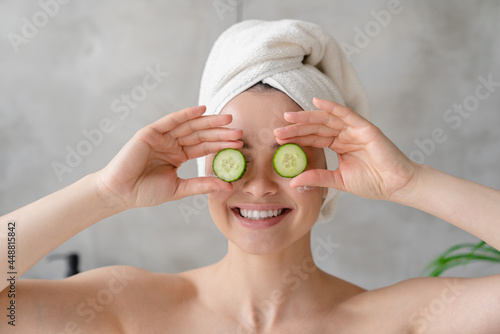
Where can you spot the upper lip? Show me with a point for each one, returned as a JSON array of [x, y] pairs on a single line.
[[260, 207]]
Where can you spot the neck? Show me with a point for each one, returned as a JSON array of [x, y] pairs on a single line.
[[265, 287]]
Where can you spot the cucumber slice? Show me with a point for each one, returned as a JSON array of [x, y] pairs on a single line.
[[289, 160], [229, 165]]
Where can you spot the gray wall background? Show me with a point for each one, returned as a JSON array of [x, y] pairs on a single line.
[[64, 78]]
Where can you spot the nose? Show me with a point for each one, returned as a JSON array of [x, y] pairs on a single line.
[[260, 180]]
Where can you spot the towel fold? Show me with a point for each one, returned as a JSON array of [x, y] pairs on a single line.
[[296, 57]]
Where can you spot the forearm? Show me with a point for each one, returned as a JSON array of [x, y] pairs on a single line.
[[45, 224], [470, 206]]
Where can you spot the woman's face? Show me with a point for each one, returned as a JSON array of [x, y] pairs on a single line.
[[261, 190]]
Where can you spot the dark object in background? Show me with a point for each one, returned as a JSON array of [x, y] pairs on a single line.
[[73, 260]]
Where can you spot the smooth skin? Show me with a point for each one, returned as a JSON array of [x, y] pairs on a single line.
[[267, 282]]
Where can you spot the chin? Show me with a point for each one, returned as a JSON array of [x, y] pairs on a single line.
[[257, 246], [268, 243]]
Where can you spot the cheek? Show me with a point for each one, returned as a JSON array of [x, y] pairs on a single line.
[[214, 200], [308, 202], [217, 204]]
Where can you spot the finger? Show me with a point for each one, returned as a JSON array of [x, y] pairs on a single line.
[[210, 135], [319, 178], [296, 130], [200, 185], [316, 116], [206, 148], [172, 120], [345, 114], [310, 140], [200, 123]]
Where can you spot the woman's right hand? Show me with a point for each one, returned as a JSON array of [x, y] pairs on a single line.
[[144, 172]]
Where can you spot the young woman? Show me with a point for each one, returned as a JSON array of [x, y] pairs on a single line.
[[268, 281]]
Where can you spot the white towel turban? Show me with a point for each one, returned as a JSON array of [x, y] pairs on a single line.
[[296, 57]]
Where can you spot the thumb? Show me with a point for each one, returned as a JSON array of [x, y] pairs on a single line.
[[200, 185], [319, 178]]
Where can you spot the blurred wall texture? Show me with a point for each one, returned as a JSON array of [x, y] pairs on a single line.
[[72, 93]]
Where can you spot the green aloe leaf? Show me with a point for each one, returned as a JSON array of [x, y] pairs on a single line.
[[461, 255]]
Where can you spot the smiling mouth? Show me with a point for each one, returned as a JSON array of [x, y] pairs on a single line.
[[260, 214]]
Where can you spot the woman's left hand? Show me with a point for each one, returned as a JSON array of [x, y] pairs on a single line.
[[370, 165]]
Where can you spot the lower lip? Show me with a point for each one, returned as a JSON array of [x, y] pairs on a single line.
[[259, 223]]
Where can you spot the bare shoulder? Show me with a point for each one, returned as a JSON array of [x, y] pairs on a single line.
[[383, 310], [431, 305], [78, 303], [147, 299], [97, 300]]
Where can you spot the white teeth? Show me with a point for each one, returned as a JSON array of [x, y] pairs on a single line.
[[255, 215]]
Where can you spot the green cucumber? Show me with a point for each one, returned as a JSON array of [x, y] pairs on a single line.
[[289, 160], [229, 165]]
